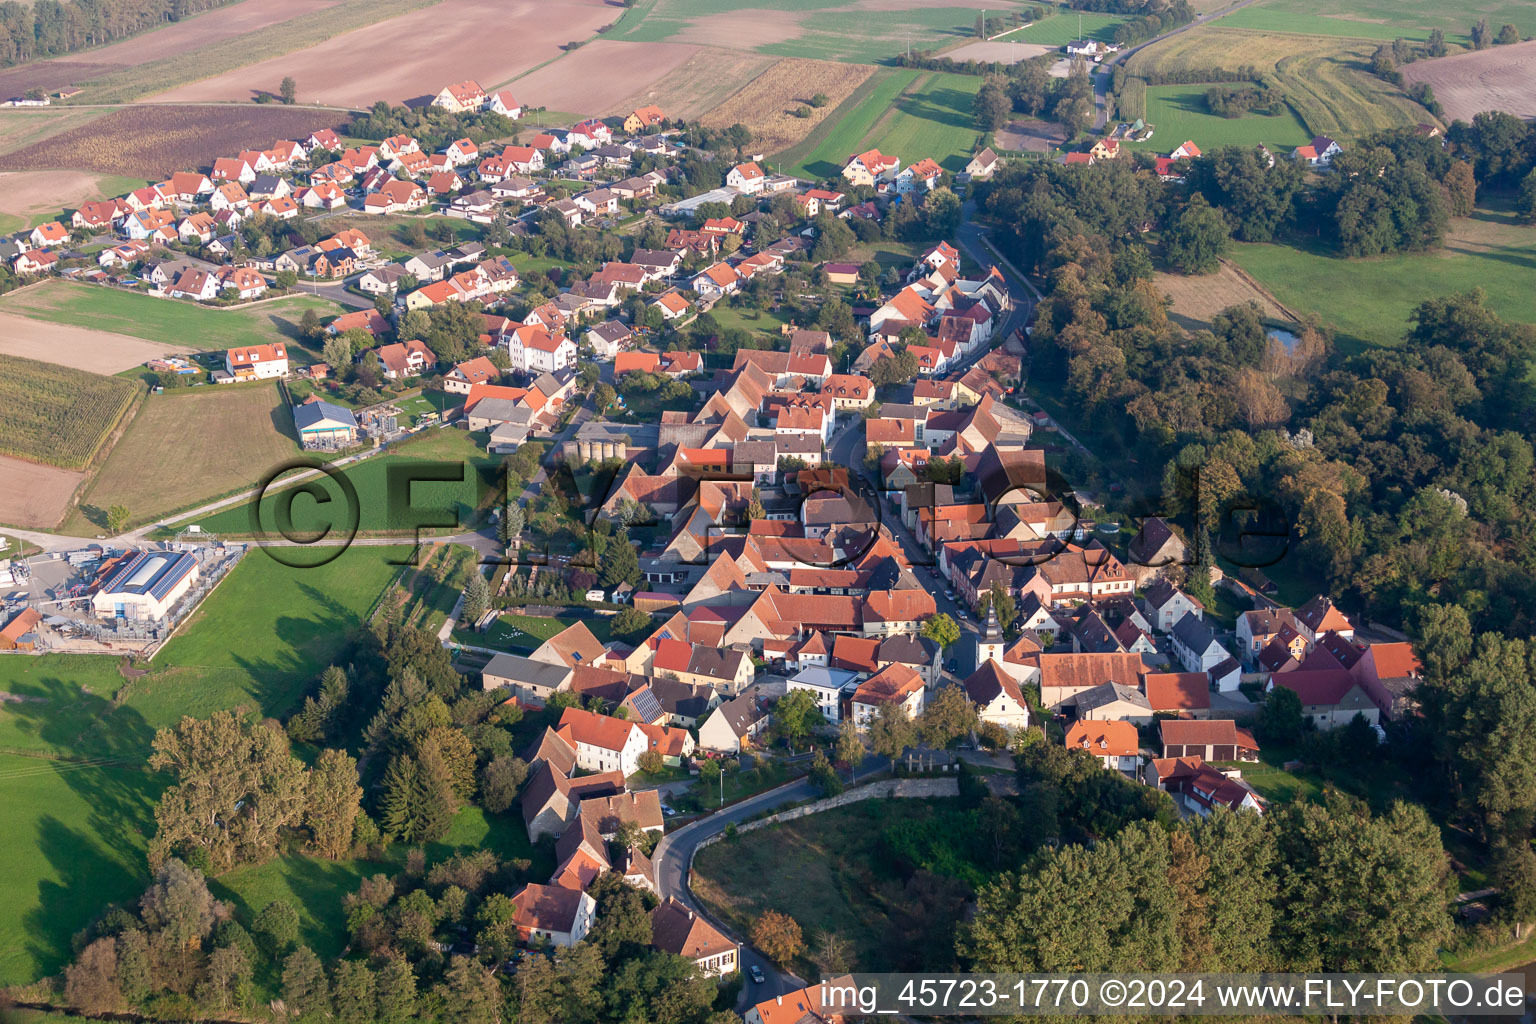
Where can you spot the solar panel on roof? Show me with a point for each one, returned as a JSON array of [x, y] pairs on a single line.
[[646, 705]]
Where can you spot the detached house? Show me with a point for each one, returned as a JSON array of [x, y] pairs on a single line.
[[406, 359], [747, 178], [871, 168], [460, 97], [257, 362], [1113, 743], [642, 118], [676, 929], [553, 913]]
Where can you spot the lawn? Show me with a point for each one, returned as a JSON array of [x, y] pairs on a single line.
[[455, 451], [1369, 300], [290, 624], [831, 148], [164, 320], [1061, 29], [1179, 112], [932, 118], [74, 841], [826, 870], [186, 447], [756, 321], [78, 803], [522, 634]]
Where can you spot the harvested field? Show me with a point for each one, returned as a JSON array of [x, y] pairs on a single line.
[[998, 51], [1385, 19], [700, 83], [1326, 79], [491, 41], [767, 102], [22, 127], [1466, 84], [152, 141], [78, 347], [1197, 299], [51, 75], [1030, 136], [56, 415], [33, 495], [33, 196], [861, 31], [601, 76], [218, 57], [172, 40], [227, 439]]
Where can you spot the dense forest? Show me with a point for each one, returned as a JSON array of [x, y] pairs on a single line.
[[51, 28]]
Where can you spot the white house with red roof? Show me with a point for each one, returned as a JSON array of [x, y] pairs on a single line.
[[47, 235], [257, 362], [871, 168], [460, 97], [504, 103], [1187, 150], [747, 178]]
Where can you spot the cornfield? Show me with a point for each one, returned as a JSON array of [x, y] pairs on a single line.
[[57, 415]]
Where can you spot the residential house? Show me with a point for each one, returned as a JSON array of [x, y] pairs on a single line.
[[641, 118], [406, 359], [747, 178], [895, 684], [734, 725], [504, 103], [983, 165], [554, 914], [1164, 605], [1318, 153], [678, 930], [870, 168], [602, 743], [922, 176], [1201, 788], [1320, 616], [1330, 697], [1195, 644], [460, 97], [465, 375], [827, 684], [257, 362], [1114, 744]]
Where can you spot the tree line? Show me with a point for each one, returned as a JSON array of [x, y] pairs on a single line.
[[1404, 470], [52, 28]]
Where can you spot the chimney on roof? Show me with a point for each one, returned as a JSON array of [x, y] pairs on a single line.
[[779, 1000]]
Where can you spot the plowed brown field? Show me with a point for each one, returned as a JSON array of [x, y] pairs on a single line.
[[153, 141], [766, 104], [1503, 78], [416, 54]]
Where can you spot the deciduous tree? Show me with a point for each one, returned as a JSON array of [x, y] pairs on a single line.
[[778, 936]]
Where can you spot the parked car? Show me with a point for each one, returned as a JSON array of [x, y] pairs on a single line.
[[757, 974]]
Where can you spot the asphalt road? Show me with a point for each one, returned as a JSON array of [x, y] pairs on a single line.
[[674, 856]]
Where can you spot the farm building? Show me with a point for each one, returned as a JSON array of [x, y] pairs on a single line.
[[145, 585]]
